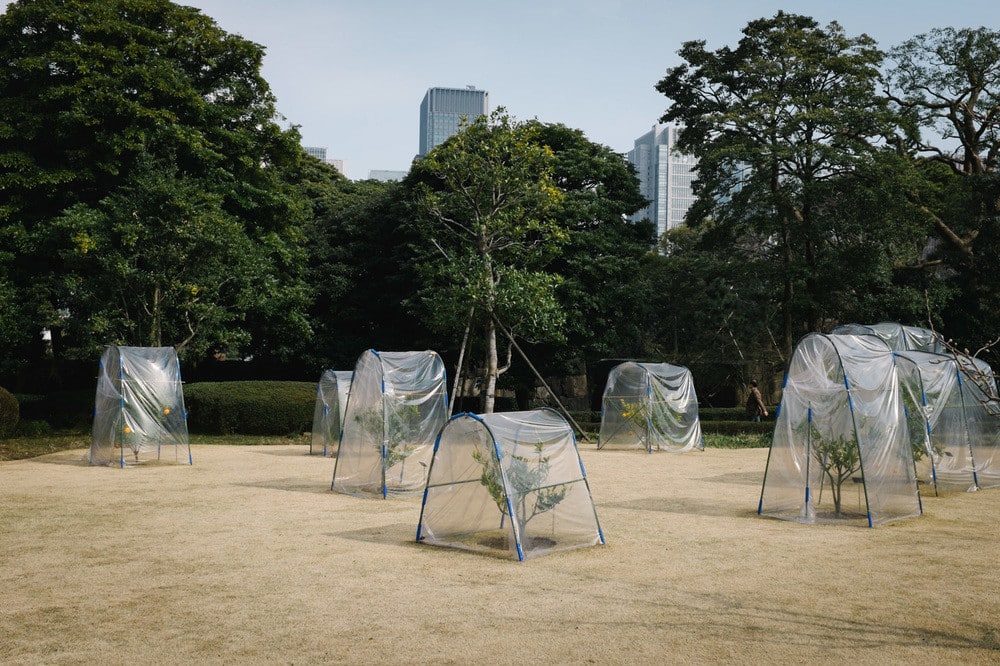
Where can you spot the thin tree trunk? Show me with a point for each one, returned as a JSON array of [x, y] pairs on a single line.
[[458, 367], [155, 333], [786, 306], [491, 367]]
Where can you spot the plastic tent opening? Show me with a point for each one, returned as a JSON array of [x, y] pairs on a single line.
[[398, 403], [332, 392], [652, 406], [510, 484], [139, 413]]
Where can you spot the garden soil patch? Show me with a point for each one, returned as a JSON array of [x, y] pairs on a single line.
[[248, 557]]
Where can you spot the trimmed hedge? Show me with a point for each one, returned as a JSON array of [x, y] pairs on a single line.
[[10, 413], [60, 409], [738, 427], [250, 408], [722, 420]]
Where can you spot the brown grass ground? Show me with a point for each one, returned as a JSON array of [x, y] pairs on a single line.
[[247, 557]]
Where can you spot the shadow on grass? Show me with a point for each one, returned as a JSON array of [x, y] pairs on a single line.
[[292, 485], [396, 533], [755, 478], [682, 505], [733, 622], [73, 458], [297, 452]]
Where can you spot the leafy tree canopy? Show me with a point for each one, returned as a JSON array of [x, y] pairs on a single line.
[[96, 97], [946, 84], [485, 202], [773, 122]]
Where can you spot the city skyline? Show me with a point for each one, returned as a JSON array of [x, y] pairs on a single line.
[[351, 75]]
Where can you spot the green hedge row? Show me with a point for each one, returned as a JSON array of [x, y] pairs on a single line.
[[250, 408], [713, 419], [60, 409], [10, 413], [743, 427], [283, 408]]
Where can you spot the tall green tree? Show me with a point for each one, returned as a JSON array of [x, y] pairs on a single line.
[[772, 121], [157, 262], [486, 200], [91, 92], [946, 83], [601, 260], [361, 268]]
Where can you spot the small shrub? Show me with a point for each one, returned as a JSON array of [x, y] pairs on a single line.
[[737, 441], [10, 413], [27, 428], [250, 408]]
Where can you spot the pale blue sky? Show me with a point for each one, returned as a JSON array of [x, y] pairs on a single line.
[[352, 73]]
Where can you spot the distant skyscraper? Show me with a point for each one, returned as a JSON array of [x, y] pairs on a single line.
[[442, 111], [339, 165], [386, 175], [320, 153], [665, 177], [316, 151]]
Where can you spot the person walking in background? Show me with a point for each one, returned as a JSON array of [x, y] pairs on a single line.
[[755, 404]]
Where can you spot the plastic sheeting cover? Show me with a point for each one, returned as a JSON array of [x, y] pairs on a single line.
[[841, 447], [139, 413], [897, 336], [509, 482], [651, 406], [941, 423], [332, 392], [397, 405]]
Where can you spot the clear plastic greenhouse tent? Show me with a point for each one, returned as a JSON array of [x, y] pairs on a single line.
[[398, 403], [651, 406], [331, 402], [139, 413], [509, 483], [950, 422], [841, 446]]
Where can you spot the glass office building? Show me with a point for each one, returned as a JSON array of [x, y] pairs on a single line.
[[665, 178], [442, 110]]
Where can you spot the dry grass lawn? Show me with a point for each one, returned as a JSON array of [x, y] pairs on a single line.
[[247, 557]]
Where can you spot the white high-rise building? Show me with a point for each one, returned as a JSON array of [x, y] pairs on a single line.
[[319, 152], [665, 177]]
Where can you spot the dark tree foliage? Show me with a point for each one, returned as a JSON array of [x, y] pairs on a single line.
[[946, 84], [602, 259], [773, 122], [361, 269], [96, 96]]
